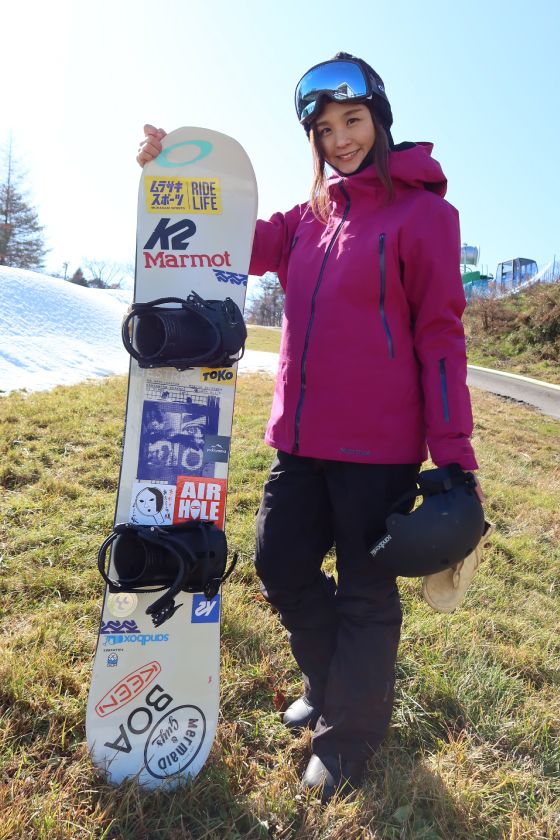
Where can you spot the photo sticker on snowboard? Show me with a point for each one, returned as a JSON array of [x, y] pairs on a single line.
[[200, 499], [172, 438], [183, 195]]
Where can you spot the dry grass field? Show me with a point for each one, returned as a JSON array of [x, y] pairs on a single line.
[[474, 748]]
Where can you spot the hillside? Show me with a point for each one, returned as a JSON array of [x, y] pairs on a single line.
[[53, 332], [520, 334]]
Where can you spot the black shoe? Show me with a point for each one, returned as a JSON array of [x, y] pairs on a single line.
[[332, 774], [301, 715]]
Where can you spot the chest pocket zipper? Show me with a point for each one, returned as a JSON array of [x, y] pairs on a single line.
[[382, 296]]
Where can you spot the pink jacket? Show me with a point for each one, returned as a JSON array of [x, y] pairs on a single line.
[[372, 361]]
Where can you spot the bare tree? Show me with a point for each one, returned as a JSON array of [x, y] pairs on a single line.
[[101, 274], [267, 304]]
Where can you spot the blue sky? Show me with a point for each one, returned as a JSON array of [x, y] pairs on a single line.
[[480, 80]]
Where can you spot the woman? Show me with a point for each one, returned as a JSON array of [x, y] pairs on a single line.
[[372, 373]]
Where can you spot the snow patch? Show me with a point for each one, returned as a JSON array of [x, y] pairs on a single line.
[[53, 332]]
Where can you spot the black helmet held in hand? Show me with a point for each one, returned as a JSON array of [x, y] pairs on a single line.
[[444, 529]]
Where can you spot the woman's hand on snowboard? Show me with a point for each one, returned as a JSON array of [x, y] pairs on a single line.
[[150, 145]]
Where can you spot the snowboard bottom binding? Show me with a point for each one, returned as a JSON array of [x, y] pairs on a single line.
[[190, 557], [194, 333]]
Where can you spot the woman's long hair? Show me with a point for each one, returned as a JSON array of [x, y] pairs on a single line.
[[319, 200]]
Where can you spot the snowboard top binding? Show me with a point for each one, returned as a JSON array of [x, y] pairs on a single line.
[[196, 332]]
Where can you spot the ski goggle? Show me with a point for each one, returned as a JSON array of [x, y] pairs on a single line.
[[338, 79]]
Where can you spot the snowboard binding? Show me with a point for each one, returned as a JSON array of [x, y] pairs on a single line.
[[196, 332], [190, 557]]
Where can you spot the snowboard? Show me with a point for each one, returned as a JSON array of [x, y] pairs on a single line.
[[154, 699]]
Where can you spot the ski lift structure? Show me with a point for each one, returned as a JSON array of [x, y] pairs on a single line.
[[511, 275], [475, 281], [516, 272]]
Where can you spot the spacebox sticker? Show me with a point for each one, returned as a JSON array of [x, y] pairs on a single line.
[[200, 499], [152, 504], [172, 438]]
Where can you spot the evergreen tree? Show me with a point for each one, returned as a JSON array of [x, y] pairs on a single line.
[[78, 278], [21, 236]]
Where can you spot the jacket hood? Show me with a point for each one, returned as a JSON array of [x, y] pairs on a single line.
[[409, 163]]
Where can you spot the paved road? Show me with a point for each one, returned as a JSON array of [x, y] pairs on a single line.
[[522, 388]]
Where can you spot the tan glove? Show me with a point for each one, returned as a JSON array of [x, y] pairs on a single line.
[[445, 590]]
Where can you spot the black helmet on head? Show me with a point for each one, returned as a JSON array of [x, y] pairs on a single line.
[[344, 77], [380, 102], [439, 533]]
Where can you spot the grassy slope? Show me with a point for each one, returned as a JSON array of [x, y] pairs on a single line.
[[263, 338], [519, 334], [474, 747]]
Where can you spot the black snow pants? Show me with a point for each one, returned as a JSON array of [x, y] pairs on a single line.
[[344, 635]]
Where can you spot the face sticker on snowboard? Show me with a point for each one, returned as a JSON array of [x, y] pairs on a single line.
[[152, 504]]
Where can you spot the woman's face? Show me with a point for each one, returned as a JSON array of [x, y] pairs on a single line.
[[346, 134]]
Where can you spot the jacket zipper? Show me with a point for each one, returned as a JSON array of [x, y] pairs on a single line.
[[443, 384], [310, 323], [382, 295]]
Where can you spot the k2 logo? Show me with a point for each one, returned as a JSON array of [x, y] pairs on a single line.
[[177, 233], [204, 611]]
